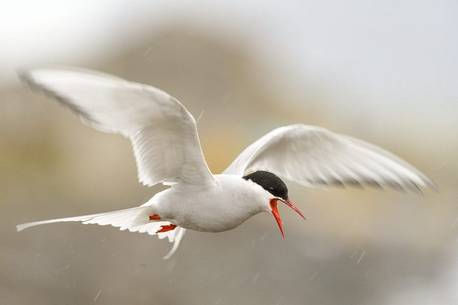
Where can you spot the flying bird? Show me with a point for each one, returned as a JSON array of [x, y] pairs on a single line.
[[167, 150]]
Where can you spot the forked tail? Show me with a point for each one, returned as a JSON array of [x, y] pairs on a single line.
[[134, 219]]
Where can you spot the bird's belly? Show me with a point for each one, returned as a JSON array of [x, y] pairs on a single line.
[[211, 224], [211, 212], [212, 220]]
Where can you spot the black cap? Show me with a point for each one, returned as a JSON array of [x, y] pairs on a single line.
[[270, 182]]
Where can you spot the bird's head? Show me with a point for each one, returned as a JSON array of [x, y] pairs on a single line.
[[278, 192]]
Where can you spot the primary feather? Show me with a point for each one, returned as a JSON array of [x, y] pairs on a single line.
[[315, 156]]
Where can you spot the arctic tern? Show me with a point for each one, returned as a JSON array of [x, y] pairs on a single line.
[[167, 150]]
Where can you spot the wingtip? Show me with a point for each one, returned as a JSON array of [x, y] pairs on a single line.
[[24, 76], [27, 78], [426, 183], [431, 184], [28, 75]]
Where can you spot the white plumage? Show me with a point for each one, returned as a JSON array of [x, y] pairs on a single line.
[[167, 150], [154, 121], [314, 156]]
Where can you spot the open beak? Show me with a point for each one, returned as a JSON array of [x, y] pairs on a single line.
[[276, 214]]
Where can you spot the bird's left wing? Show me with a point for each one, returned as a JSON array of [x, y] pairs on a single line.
[[314, 156], [162, 131]]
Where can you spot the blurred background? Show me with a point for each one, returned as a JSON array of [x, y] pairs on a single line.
[[382, 71]]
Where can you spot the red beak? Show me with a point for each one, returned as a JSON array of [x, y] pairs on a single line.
[[276, 214]]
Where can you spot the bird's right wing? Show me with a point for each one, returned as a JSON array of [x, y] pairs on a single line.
[[314, 156], [163, 133]]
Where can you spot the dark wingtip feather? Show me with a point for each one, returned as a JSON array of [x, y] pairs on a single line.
[[27, 78]]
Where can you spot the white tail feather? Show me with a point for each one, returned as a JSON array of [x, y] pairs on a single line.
[[121, 218], [179, 233], [133, 219], [24, 226]]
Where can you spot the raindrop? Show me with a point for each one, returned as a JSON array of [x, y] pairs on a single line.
[[360, 258], [97, 295], [200, 116], [256, 277]]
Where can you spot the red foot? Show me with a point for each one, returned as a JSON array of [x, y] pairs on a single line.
[[154, 217], [166, 228]]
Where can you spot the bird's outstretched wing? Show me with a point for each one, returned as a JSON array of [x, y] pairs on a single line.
[[163, 132], [133, 219], [314, 156]]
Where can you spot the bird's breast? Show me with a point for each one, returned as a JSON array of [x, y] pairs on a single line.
[[212, 209]]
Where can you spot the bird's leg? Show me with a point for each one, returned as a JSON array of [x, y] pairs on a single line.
[[166, 228], [154, 217]]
